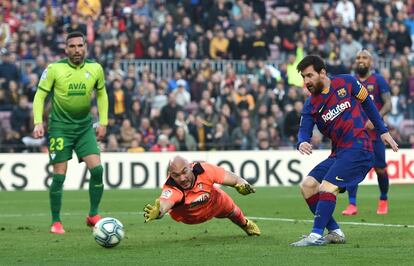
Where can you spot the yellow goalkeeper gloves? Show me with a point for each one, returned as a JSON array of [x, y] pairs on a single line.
[[152, 212], [245, 188]]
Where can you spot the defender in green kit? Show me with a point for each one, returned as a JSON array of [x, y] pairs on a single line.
[[72, 82]]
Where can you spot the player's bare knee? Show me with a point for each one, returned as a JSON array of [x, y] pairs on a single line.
[[329, 187], [60, 168], [309, 187]]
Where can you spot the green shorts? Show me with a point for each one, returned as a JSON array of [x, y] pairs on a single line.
[[62, 142]]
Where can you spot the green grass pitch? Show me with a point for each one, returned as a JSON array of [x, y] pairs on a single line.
[[281, 214]]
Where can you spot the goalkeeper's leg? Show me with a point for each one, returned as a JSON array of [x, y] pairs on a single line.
[[228, 209]]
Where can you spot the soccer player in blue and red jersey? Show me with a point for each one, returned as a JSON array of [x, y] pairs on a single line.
[[336, 106], [379, 91]]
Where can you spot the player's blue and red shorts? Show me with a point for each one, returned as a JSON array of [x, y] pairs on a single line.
[[347, 168]]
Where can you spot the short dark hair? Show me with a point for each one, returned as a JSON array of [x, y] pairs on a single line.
[[311, 60], [75, 34]]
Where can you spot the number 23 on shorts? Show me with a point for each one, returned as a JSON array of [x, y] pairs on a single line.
[[56, 144]]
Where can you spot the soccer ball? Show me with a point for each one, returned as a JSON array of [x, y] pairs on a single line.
[[108, 232]]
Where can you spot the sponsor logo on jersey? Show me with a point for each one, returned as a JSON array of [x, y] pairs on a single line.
[[166, 194], [52, 156], [336, 111], [44, 74], [203, 198], [87, 74], [200, 186], [342, 92], [76, 89]]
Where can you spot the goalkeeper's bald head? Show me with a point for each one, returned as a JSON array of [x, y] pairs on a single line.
[[177, 163]]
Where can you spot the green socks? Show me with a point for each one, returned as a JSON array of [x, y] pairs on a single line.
[[95, 192], [55, 196], [95, 189]]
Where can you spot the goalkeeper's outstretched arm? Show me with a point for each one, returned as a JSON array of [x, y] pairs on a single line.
[[240, 184], [157, 211]]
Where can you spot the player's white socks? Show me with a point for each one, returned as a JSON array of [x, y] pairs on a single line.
[[315, 235], [339, 232]]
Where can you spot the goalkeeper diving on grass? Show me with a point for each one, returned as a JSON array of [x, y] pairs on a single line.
[[189, 195]]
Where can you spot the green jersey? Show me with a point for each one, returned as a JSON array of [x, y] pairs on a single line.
[[72, 90]]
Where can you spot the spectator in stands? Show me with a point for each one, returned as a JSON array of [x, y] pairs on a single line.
[[169, 111], [201, 132], [12, 142], [398, 107], [127, 133], [136, 114], [117, 100], [239, 45], [182, 96], [259, 46], [183, 141], [8, 69], [345, 9], [244, 137], [292, 122], [5, 34], [180, 47], [89, 8], [76, 24], [243, 99], [112, 144], [267, 79], [148, 134], [263, 140], [410, 94], [20, 117], [219, 45], [349, 48], [136, 144], [153, 29], [163, 144]]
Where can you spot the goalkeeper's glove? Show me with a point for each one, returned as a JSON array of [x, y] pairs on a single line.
[[245, 188], [152, 212]]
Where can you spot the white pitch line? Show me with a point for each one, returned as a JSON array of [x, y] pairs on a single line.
[[340, 223], [288, 220]]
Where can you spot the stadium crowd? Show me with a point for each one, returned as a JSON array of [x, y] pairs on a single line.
[[201, 108]]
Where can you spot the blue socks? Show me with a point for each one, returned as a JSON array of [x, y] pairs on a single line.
[[324, 210], [312, 203], [352, 193], [383, 184]]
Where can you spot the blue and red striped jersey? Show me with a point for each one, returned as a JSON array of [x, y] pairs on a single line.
[[338, 114], [376, 85]]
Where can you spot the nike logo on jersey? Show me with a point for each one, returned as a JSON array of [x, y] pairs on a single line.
[[336, 111], [321, 109]]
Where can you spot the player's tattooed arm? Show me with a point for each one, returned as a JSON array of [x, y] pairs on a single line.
[[386, 108]]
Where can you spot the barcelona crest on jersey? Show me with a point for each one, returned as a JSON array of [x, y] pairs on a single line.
[[342, 92]]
